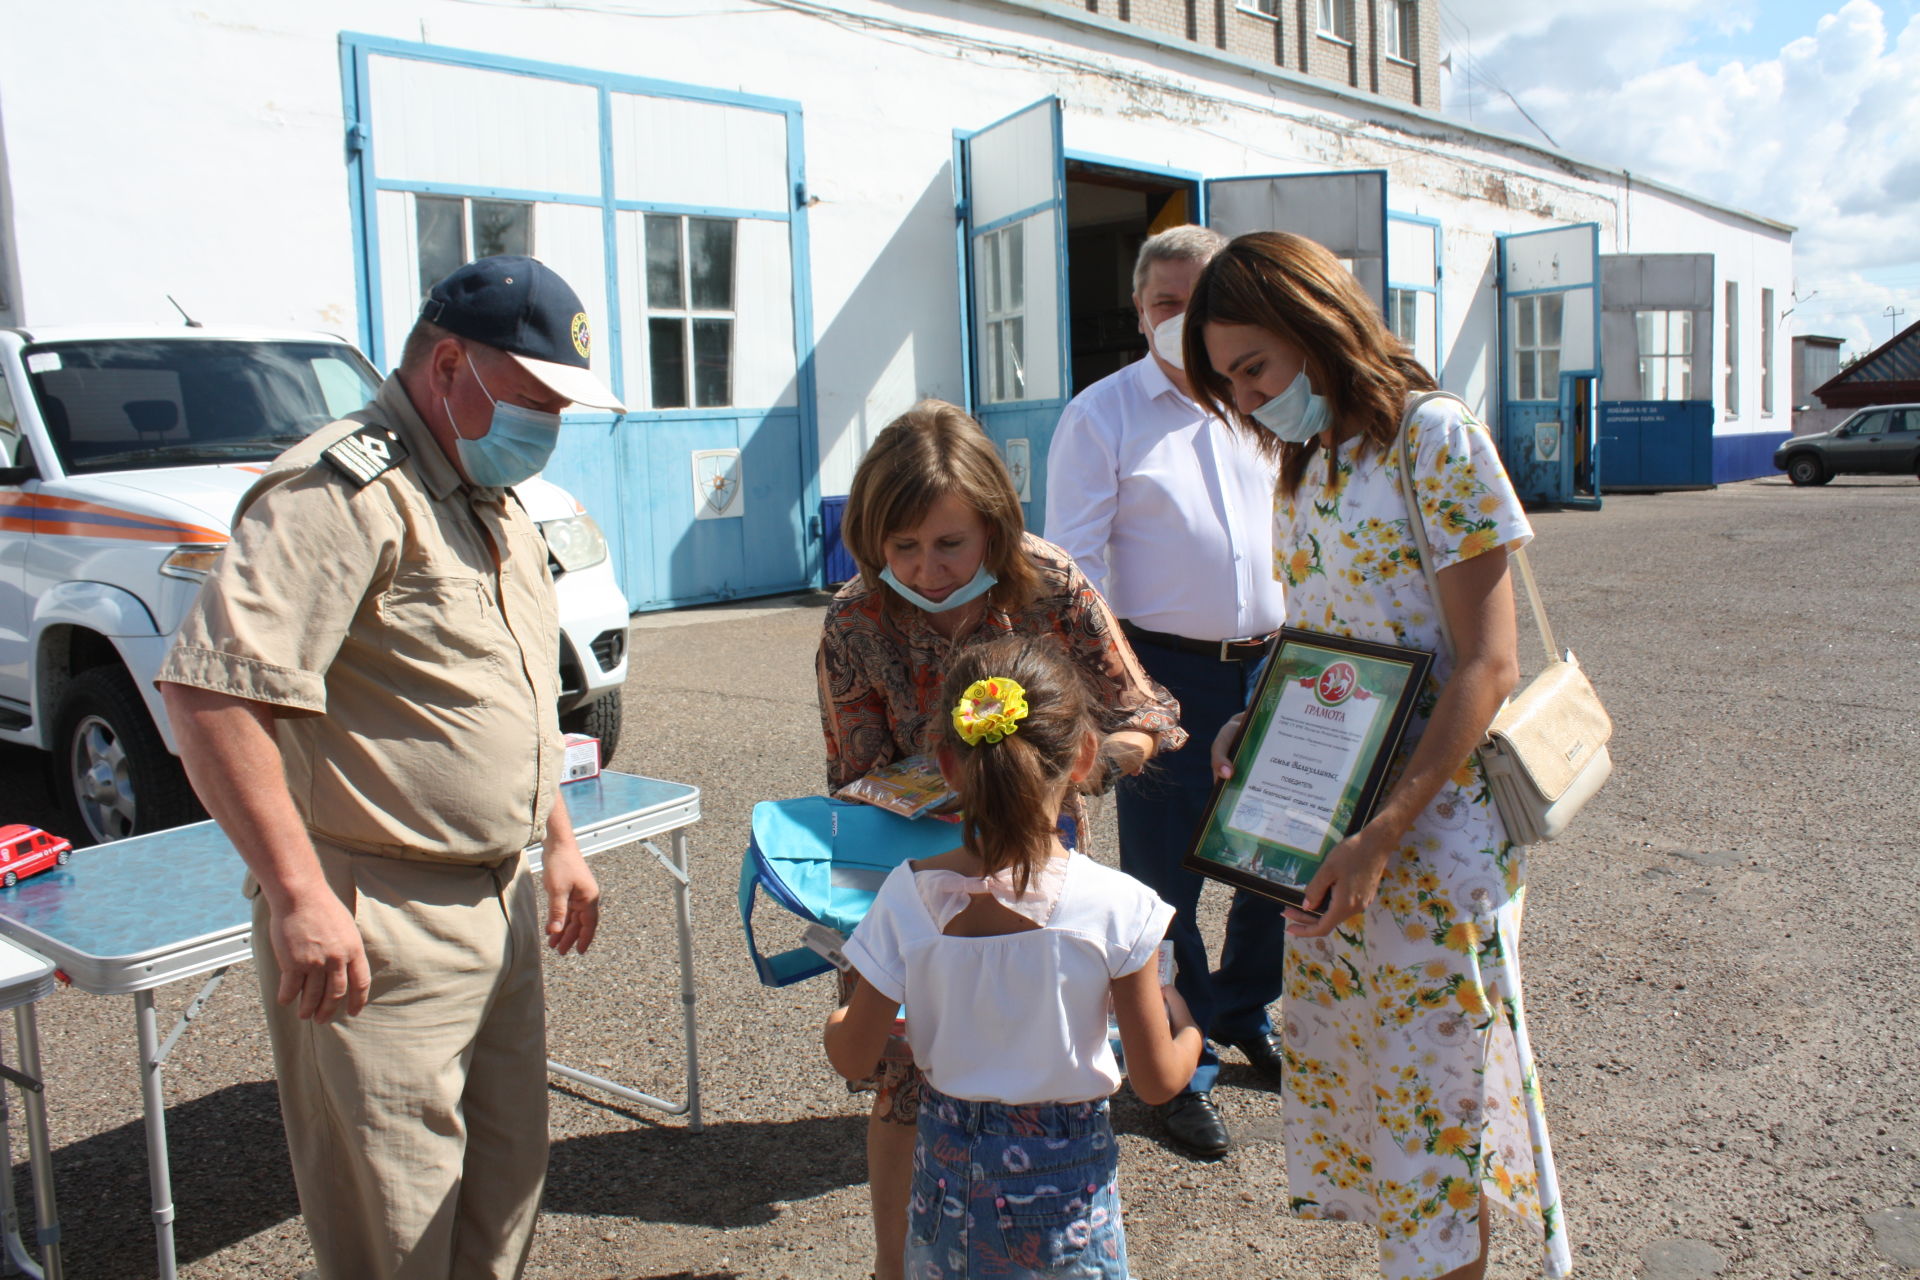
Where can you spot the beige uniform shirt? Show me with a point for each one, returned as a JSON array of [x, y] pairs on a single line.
[[404, 628]]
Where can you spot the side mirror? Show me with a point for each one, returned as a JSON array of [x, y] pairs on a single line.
[[19, 475]]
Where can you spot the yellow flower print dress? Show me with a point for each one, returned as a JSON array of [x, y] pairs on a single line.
[[1410, 1088]]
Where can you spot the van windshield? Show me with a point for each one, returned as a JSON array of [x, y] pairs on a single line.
[[134, 404]]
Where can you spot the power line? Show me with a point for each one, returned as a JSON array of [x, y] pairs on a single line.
[[1475, 70]]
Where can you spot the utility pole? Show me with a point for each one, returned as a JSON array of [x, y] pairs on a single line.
[[1893, 317]]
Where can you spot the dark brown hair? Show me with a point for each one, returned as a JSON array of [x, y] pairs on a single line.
[[1009, 789], [929, 452], [1295, 289]]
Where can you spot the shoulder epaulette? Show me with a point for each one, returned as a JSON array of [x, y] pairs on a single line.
[[367, 454]]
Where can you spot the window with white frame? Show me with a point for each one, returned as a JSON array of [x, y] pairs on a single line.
[[1766, 353], [1335, 19], [1400, 37], [1731, 334], [690, 311], [1666, 354], [1264, 8], [1003, 331], [1536, 346], [452, 231]]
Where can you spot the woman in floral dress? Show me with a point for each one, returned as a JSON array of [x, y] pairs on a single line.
[[1409, 1101]]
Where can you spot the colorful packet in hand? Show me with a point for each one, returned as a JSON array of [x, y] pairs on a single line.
[[908, 787]]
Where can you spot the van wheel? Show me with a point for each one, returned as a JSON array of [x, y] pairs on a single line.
[[9, 880], [113, 772], [1804, 468], [598, 719]]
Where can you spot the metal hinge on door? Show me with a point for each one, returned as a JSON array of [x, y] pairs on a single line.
[[814, 530], [358, 135]]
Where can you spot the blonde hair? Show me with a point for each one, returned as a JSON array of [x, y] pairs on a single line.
[[932, 451], [1295, 289], [1009, 789]]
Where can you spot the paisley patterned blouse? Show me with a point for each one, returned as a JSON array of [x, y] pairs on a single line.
[[881, 668]]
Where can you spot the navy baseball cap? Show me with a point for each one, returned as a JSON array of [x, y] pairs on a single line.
[[521, 306]]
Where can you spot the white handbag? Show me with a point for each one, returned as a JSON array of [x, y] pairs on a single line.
[[1545, 754]]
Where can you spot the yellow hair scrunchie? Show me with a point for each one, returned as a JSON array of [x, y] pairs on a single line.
[[989, 710]]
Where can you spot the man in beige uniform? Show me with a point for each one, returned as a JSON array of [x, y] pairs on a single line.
[[364, 696]]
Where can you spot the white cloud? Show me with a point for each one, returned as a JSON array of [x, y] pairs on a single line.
[[1821, 134]]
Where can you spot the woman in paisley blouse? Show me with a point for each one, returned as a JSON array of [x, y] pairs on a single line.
[[934, 523], [1409, 1100]]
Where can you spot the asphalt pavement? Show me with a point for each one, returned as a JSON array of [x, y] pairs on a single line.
[[1721, 963]]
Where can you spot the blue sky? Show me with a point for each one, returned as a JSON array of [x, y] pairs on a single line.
[[1804, 111]]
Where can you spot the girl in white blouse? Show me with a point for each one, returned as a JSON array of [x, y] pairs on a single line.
[[1006, 952]]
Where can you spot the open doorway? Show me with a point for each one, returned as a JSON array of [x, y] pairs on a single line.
[[1110, 213], [1586, 439]]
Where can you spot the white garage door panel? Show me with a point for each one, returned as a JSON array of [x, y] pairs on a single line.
[[1558, 259], [399, 271], [570, 238], [1014, 165], [763, 369], [665, 151], [456, 125], [1410, 248]]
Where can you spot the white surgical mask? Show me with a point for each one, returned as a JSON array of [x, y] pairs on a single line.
[[1296, 415], [1167, 336], [975, 587]]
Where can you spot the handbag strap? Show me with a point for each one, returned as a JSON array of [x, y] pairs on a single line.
[[1418, 528]]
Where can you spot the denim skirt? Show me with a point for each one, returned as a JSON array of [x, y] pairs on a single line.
[[1011, 1192]]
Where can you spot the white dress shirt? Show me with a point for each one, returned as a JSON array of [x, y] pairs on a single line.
[[1167, 511]]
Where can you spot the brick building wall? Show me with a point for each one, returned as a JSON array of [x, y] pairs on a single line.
[[1285, 34]]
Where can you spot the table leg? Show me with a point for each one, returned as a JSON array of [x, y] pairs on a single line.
[[14, 1258], [682, 895], [676, 866], [26, 1025], [159, 1175]]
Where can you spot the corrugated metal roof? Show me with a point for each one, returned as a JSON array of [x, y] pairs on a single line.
[[1888, 374]]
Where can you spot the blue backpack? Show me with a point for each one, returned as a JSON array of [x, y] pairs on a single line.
[[824, 860]]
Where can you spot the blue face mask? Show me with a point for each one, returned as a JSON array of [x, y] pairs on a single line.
[[517, 444], [1296, 415], [975, 587]]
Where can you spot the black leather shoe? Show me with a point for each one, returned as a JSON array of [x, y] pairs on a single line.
[[1195, 1125], [1263, 1053]]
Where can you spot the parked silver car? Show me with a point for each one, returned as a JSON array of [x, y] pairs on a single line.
[[1883, 440]]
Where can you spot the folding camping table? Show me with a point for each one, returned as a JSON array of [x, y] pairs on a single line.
[[127, 917], [26, 979]]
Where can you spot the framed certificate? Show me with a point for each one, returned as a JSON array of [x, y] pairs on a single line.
[[1311, 761]]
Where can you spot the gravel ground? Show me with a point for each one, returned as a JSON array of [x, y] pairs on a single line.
[[1722, 963]]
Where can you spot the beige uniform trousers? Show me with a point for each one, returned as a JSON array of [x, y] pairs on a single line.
[[418, 1127]]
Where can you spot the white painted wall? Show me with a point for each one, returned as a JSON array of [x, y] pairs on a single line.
[[196, 147]]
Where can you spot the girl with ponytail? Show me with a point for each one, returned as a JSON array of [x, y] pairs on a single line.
[[933, 520], [1007, 951]]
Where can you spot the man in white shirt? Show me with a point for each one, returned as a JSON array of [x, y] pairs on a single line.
[[1170, 514]]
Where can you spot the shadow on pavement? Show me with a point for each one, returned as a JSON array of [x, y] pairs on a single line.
[[728, 1175], [231, 1180]]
